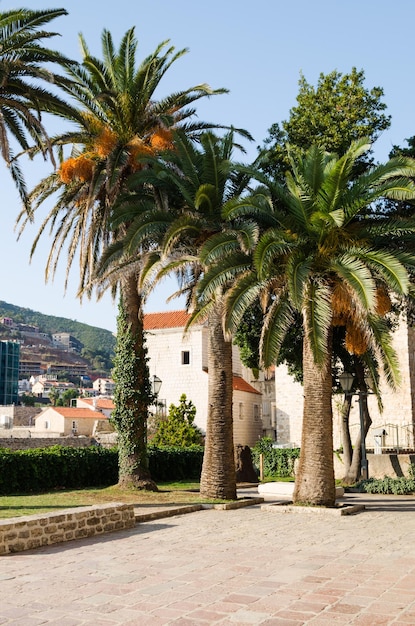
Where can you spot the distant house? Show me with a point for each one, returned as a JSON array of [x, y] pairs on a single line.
[[42, 387], [7, 321], [66, 341], [24, 386], [104, 386], [28, 329], [73, 369], [30, 367], [104, 405], [65, 421], [180, 361]]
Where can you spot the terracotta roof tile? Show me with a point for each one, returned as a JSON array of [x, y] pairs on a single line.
[[78, 413], [168, 319], [239, 384], [101, 403]]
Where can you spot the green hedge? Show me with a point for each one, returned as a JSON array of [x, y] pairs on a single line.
[[278, 462], [171, 463], [59, 467], [41, 469]]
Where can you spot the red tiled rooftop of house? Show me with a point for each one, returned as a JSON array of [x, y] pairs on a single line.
[[239, 384], [99, 403], [78, 413], [167, 319]]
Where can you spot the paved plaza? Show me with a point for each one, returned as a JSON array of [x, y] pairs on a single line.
[[243, 566]]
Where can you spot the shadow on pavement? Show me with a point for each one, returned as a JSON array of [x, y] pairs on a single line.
[[382, 503]]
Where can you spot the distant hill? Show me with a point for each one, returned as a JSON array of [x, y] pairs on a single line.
[[96, 340]]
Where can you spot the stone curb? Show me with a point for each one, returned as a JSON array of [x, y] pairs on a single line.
[[191, 508], [228, 506], [160, 514], [338, 510]]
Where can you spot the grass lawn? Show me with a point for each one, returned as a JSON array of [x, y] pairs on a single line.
[[29, 504]]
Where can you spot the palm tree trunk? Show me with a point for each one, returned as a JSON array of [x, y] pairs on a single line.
[[218, 478], [353, 473], [345, 432], [314, 484], [132, 391]]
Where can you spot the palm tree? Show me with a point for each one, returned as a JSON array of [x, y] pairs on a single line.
[[23, 97], [201, 180], [323, 259], [119, 121]]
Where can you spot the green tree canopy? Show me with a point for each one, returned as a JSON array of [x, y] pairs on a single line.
[[339, 110]]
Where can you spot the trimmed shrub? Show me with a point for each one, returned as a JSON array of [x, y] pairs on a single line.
[[59, 467], [171, 463], [56, 467], [278, 462], [400, 486]]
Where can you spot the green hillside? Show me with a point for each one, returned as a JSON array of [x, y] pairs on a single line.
[[95, 340]]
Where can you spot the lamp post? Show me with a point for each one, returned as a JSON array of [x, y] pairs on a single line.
[[155, 387], [346, 382]]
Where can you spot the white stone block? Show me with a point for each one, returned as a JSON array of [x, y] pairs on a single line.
[[283, 489]]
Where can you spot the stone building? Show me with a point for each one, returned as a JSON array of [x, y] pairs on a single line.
[[180, 361], [64, 421], [104, 386], [396, 420]]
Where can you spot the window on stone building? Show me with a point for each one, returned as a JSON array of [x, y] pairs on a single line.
[[256, 412], [185, 357], [241, 410], [47, 424]]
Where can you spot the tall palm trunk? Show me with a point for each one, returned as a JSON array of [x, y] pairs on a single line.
[[218, 479], [345, 432], [132, 391], [314, 482], [353, 468]]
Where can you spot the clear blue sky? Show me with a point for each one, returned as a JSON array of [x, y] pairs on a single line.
[[257, 51]]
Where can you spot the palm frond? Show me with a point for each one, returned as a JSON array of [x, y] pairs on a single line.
[[318, 315], [355, 272], [244, 292], [270, 253], [388, 356], [298, 270], [278, 319]]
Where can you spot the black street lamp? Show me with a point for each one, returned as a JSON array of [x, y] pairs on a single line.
[[155, 386], [346, 382]]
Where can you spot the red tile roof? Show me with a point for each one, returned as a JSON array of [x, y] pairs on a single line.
[[239, 384], [99, 403], [168, 319], [78, 413]]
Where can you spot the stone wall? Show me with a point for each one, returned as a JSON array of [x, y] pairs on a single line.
[[380, 465], [33, 531], [24, 443], [21, 415]]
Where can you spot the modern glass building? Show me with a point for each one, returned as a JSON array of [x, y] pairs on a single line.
[[9, 372]]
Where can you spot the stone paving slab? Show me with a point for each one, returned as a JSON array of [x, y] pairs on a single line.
[[241, 566]]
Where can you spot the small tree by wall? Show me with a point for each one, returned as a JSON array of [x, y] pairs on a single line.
[[178, 429]]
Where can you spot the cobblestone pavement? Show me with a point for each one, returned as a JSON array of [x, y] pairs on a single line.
[[244, 566]]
